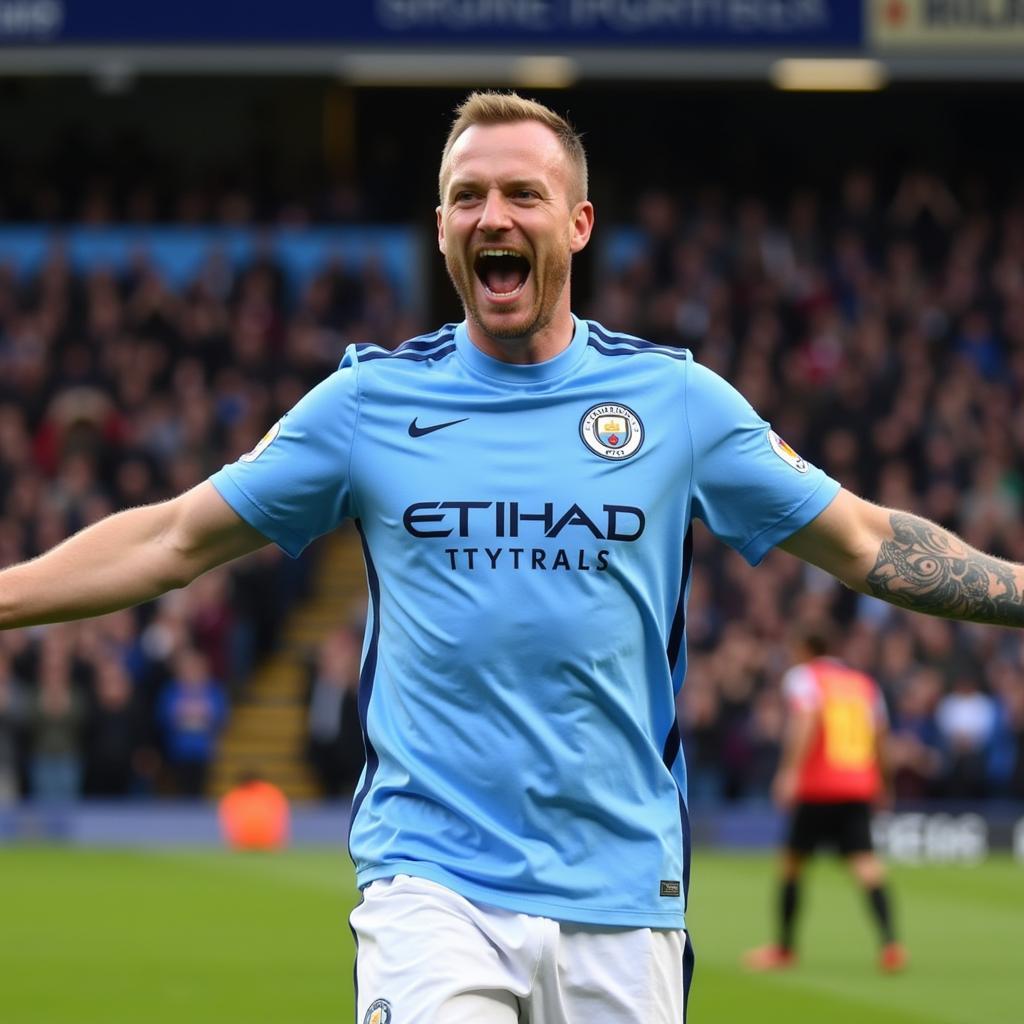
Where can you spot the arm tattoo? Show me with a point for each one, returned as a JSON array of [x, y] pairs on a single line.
[[928, 569]]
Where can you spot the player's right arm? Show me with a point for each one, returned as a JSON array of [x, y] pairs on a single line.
[[127, 558]]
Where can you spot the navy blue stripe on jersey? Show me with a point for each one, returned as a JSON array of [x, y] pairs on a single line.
[[656, 349], [675, 637], [366, 680], [671, 745], [626, 344], [441, 334], [427, 341], [422, 343], [684, 817], [422, 346], [669, 753], [410, 357], [641, 344]]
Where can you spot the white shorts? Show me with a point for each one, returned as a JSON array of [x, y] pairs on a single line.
[[426, 955]]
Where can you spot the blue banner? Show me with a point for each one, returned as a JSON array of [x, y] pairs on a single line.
[[180, 254], [498, 23]]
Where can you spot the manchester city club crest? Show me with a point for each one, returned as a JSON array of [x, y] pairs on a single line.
[[612, 431], [379, 1012]]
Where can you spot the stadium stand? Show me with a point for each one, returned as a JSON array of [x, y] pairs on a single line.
[[118, 387]]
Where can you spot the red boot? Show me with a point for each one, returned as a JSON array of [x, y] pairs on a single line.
[[769, 958], [893, 958]]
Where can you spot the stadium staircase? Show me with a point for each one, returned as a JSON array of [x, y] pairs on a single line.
[[266, 731]]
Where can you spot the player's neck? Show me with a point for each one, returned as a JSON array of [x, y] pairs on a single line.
[[537, 347]]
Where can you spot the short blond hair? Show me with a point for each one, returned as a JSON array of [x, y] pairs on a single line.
[[509, 108]]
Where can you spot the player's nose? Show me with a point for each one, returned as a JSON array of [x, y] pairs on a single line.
[[495, 213]]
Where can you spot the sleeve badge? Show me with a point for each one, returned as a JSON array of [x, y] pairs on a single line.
[[787, 454]]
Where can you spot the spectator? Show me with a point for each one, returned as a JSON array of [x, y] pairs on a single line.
[[335, 744], [117, 762], [767, 719], [701, 726], [11, 715], [56, 718], [192, 712], [1006, 754], [915, 753], [966, 719]]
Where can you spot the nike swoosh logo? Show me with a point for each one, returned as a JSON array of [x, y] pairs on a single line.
[[418, 431]]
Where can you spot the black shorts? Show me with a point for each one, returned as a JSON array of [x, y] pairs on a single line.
[[844, 826]]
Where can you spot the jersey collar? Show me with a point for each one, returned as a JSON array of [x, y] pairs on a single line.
[[527, 373]]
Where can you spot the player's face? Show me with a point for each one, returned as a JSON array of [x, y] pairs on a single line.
[[508, 229]]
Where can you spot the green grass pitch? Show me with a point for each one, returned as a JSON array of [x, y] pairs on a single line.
[[208, 937]]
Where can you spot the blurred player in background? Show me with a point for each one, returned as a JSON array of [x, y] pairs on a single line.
[[831, 773], [524, 484]]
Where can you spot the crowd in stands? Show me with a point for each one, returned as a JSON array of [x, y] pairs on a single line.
[[882, 336], [117, 390]]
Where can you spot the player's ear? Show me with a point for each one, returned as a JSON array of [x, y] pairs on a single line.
[[582, 225], [440, 230]]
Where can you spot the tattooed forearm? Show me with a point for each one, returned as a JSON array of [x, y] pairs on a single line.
[[928, 569]]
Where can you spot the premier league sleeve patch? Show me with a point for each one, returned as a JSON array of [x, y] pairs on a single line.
[[787, 454], [613, 432], [262, 445]]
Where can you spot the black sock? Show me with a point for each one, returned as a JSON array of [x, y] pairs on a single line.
[[788, 900], [878, 900]]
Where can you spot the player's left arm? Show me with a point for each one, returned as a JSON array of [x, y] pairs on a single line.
[[911, 562]]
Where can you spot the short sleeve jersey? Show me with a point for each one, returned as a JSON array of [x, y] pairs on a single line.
[[527, 537], [842, 762]]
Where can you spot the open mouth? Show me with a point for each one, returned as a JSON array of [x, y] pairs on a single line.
[[502, 272]]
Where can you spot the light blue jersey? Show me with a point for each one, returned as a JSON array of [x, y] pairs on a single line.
[[528, 544]]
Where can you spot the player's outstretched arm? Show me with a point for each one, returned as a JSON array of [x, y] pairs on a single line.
[[125, 559], [910, 562]]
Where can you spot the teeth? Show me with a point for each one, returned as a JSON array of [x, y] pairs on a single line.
[[498, 252]]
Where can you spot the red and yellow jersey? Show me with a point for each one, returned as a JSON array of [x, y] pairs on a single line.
[[842, 763]]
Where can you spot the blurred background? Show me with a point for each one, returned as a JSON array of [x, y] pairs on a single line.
[[203, 204]]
